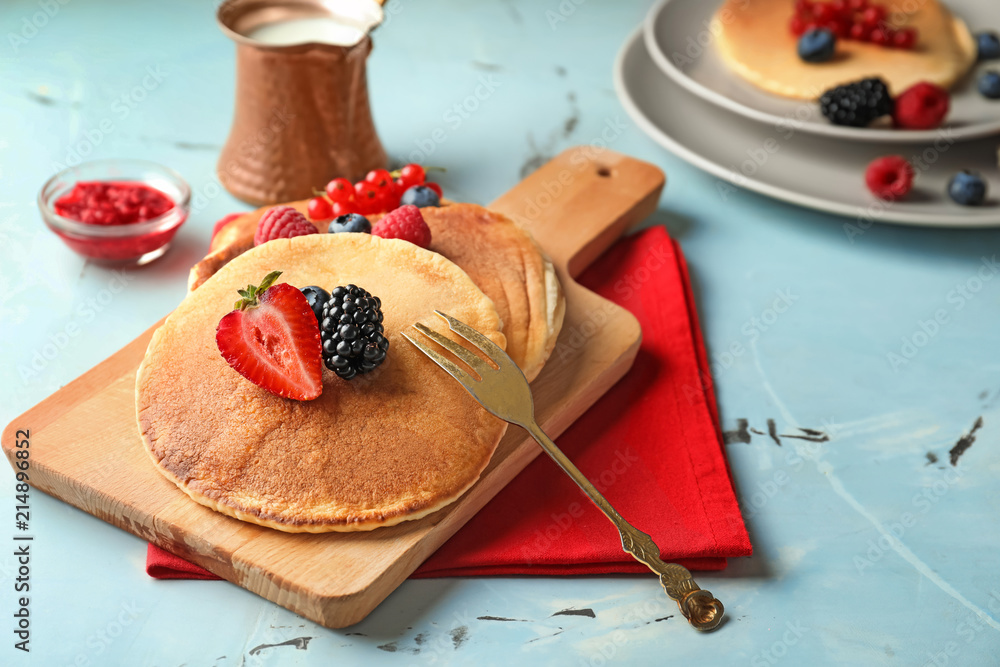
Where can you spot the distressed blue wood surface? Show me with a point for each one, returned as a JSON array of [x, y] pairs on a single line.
[[871, 546]]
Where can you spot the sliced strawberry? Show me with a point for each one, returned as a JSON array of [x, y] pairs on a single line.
[[272, 339]]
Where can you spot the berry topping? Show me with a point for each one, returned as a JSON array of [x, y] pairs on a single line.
[[320, 208], [858, 20], [817, 46], [905, 38], [272, 339], [406, 223], [889, 177], [340, 190], [351, 331], [967, 188], [223, 221], [856, 104], [351, 222], [316, 297], [380, 177], [989, 85], [281, 222], [112, 203], [341, 208], [436, 188], [411, 174], [420, 196], [922, 106], [988, 45], [366, 197]]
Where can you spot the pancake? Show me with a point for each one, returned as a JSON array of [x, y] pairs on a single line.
[[395, 444], [756, 44], [499, 256]]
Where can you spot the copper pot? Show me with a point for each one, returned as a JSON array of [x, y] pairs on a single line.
[[302, 114]]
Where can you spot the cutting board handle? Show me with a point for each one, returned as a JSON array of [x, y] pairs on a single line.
[[597, 193]]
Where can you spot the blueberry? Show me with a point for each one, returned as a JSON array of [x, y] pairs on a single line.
[[420, 196], [817, 45], [352, 222], [989, 45], [967, 188], [989, 84], [317, 298]]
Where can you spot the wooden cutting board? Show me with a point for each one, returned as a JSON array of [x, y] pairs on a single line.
[[86, 450]]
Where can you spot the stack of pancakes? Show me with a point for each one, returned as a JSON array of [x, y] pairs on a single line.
[[393, 445]]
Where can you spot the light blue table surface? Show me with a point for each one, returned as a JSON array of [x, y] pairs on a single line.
[[865, 552]]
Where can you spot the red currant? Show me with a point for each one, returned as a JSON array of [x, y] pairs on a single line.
[[838, 27], [880, 36], [824, 12], [859, 32], [411, 174], [905, 38], [380, 177], [319, 209], [340, 190], [857, 5], [872, 16], [343, 208], [366, 197], [797, 26], [389, 196]]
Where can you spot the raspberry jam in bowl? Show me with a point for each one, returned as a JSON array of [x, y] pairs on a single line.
[[116, 212]]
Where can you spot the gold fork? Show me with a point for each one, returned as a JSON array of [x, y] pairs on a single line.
[[505, 392]]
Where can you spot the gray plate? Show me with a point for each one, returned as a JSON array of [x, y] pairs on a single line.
[[804, 169], [680, 44]]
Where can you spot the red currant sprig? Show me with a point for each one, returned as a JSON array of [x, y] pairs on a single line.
[[858, 20], [379, 192]]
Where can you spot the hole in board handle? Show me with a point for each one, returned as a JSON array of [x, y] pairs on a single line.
[[604, 172]]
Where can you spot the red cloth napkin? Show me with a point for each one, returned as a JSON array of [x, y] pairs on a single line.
[[652, 445]]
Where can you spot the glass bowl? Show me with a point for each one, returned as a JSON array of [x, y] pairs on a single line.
[[132, 244]]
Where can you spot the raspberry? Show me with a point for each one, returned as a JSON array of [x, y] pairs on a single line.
[[922, 106], [889, 177], [281, 222], [406, 223]]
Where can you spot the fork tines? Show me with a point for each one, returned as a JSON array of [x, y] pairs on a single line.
[[481, 342]]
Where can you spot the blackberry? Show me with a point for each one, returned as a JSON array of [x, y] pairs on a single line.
[[857, 104], [317, 298], [351, 331]]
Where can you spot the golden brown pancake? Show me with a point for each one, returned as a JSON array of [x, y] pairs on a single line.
[[499, 256], [392, 445], [755, 42]]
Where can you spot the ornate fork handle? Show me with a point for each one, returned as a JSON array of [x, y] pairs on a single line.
[[504, 391], [702, 610]]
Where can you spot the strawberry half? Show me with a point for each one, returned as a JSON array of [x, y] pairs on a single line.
[[272, 339]]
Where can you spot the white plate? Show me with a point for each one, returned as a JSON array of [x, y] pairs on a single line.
[[677, 38], [803, 169]]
